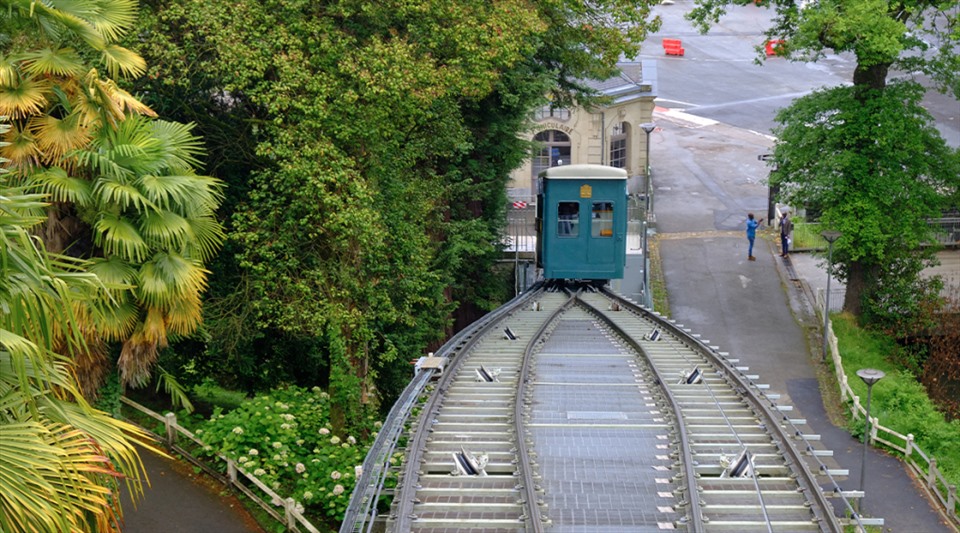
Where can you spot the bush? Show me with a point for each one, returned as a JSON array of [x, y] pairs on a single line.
[[899, 402], [284, 438]]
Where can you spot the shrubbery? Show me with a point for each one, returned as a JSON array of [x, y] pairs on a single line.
[[285, 439], [899, 401]]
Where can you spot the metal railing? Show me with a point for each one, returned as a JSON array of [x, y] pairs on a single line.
[[924, 466], [292, 517]]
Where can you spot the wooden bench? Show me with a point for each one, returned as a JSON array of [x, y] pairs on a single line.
[[673, 47]]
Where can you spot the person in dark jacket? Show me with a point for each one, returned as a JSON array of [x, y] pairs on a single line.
[[786, 230], [751, 234]]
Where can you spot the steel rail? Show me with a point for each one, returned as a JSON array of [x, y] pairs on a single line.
[[362, 509], [407, 488], [821, 509], [694, 514], [526, 468]]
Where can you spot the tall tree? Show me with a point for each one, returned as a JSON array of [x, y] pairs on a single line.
[[373, 171], [123, 185], [60, 459], [885, 36]]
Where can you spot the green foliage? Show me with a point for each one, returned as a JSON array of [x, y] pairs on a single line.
[[897, 400], [874, 166], [285, 439], [366, 146]]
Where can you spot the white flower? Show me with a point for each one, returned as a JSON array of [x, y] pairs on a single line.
[[338, 490], [277, 458], [358, 471], [378, 424], [250, 464], [288, 417], [199, 432], [242, 460], [335, 474], [259, 472], [300, 468], [334, 440], [351, 440], [278, 444], [285, 426], [238, 430], [253, 451], [299, 442], [324, 431], [316, 389], [308, 495], [275, 485]]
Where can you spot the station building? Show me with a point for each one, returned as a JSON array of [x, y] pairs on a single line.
[[611, 134]]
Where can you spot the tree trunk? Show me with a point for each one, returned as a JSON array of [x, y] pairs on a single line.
[[856, 283], [873, 77]]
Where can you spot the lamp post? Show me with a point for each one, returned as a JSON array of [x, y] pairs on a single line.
[[869, 376], [830, 236], [648, 127]]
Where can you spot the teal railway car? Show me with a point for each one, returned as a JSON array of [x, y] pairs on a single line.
[[582, 222]]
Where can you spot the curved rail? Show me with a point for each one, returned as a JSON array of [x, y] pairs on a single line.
[[362, 509], [720, 413], [765, 407]]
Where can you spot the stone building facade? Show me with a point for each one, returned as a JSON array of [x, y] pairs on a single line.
[[612, 134]]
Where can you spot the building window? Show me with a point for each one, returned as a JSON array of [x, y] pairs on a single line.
[[550, 112], [619, 141], [553, 151]]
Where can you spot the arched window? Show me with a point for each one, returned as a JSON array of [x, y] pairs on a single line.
[[619, 143], [553, 150]]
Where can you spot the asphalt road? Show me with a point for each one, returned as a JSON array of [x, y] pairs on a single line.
[[718, 76]]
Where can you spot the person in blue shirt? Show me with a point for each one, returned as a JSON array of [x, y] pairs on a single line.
[[752, 225]]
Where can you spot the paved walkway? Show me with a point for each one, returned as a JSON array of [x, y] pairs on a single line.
[[706, 179], [178, 501]]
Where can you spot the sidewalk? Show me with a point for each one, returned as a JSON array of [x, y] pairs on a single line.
[[706, 180]]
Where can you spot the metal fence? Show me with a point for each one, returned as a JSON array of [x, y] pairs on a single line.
[[924, 466], [291, 517]]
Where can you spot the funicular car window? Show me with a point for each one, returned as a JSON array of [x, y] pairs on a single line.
[[601, 220], [568, 216]]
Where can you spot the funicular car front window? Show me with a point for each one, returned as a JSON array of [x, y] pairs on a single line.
[[568, 216], [601, 220]]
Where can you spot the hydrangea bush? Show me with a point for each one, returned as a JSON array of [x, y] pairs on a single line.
[[285, 439]]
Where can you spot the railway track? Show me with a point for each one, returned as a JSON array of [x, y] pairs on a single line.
[[588, 413]]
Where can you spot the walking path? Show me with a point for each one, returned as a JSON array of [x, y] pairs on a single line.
[[706, 179], [178, 501]]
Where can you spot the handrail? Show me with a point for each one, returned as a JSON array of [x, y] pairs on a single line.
[[362, 506], [944, 493], [292, 517]]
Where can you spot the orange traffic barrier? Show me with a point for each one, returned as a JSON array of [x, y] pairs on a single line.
[[673, 47], [773, 46]]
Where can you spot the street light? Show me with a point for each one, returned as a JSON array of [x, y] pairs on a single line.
[[648, 127], [869, 376], [830, 236]]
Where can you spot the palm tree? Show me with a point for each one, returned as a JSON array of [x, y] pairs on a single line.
[[60, 459], [123, 187]]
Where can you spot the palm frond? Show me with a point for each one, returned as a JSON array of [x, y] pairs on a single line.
[[56, 137], [207, 236], [24, 97], [64, 188], [21, 149], [166, 229], [117, 236], [8, 70], [173, 388], [61, 62], [114, 18], [100, 163], [121, 194], [122, 61], [183, 147], [184, 314], [69, 17], [169, 276], [165, 191]]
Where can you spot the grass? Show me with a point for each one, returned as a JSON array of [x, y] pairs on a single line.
[[658, 284], [806, 235], [898, 400]]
